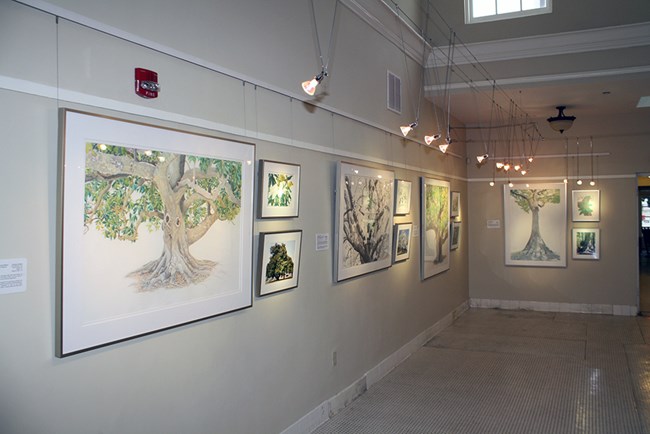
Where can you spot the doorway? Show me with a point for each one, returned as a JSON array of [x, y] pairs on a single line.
[[644, 244]]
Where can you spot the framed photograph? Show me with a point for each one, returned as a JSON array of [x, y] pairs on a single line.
[[280, 189], [402, 197], [402, 242], [455, 235], [585, 205], [279, 261], [434, 227], [455, 204], [155, 229], [535, 225], [586, 243], [364, 220]]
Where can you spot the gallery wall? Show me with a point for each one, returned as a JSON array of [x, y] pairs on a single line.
[[607, 285], [263, 368]]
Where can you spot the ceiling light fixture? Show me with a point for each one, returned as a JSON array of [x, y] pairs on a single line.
[[406, 129], [561, 122], [309, 86], [481, 158], [429, 139]]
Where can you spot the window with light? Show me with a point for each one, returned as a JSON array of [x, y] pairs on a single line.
[[478, 11]]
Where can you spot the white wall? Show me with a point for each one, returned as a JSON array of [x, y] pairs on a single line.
[[252, 371]]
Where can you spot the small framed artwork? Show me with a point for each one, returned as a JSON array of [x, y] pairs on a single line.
[[402, 197], [585, 205], [455, 235], [280, 189], [279, 261], [402, 242], [586, 243], [454, 210], [155, 229]]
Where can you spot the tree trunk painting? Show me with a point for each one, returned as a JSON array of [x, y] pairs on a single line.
[[366, 219], [180, 195], [531, 201], [437, 219]]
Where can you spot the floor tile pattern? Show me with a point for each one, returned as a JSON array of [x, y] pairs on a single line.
[[498, 371]]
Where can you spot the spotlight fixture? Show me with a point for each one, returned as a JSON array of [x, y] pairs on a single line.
[[309, 86], [506, 167], [491, 183], [530, 159], [561, 122], [499, 165], [443, 147], [406, 129], [517, 167], [481, 158], [429, 139], [523, 171], [510, 184]]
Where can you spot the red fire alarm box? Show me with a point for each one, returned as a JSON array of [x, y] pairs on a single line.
[[146, 83]]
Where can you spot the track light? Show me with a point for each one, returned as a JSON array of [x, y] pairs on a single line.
[[408, 128], [530, 159], [506, 167], [429, 139], [481, 158], [592, 182], [491, 183], [443, 147], [579, 182], [517, 167], [309, 86], [523, 171], [510, 184], [499, 165]]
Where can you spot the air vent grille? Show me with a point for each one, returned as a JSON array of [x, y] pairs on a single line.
[[394, 94]]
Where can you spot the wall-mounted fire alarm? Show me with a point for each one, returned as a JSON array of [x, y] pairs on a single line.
[[146, 83]]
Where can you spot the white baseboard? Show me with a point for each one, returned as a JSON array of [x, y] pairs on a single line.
[[543, 306], [312, 420]]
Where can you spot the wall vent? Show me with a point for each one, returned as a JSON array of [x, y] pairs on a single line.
[[394, 94]]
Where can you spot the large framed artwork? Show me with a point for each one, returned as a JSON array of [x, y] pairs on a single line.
[[155, 229], [434, 224], [364, 220], [585, 205], [402, 197], [402, 242], [586, 243], [279, 261], [280, 189], [535, 225]]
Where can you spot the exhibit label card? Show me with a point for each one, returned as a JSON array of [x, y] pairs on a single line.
[[13, 275]]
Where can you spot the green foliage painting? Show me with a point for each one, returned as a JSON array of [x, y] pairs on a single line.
[[437, 218], [531, 201], [280, 266], [586, 206], [280, 185], [180, 195]]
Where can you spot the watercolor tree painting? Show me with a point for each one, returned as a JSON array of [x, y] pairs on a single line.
[[181, 196]]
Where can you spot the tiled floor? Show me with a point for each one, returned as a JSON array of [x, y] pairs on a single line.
[[500, 371]]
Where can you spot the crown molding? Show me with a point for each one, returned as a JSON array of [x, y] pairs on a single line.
[[580, 41]]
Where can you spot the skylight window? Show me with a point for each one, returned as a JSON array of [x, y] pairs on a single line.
[[478, 11]]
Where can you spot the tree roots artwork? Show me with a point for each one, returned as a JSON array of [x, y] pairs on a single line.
[[182, 195], [531, 202], [437, 218]]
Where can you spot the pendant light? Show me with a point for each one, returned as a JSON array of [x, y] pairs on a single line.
[[309, 86]]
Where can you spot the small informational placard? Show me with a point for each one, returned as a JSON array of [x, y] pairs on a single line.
[[322, 242], [13, 275], [416, 232], [493, 224]]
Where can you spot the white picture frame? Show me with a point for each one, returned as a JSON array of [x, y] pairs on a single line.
[[434, 227], [403, 234], [402, 197], [535, 223], [585, 205], [279, 190], [364, 200], [585, 243], [276, 250]]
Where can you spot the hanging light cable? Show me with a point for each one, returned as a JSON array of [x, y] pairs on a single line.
[[591, 145], [579, 181], [309, 86], [566, 160], [406, 129]]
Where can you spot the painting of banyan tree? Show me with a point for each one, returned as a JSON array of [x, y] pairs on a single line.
[[535, 224], [365, 220], [435, 227], [155, 229]]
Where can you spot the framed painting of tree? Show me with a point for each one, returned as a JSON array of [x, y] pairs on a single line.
[[280, 189], [279, 261], [585, 205], [434, 224], [586, 243], [155, 229], [402, 242], [364, 220], [535, 225]]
